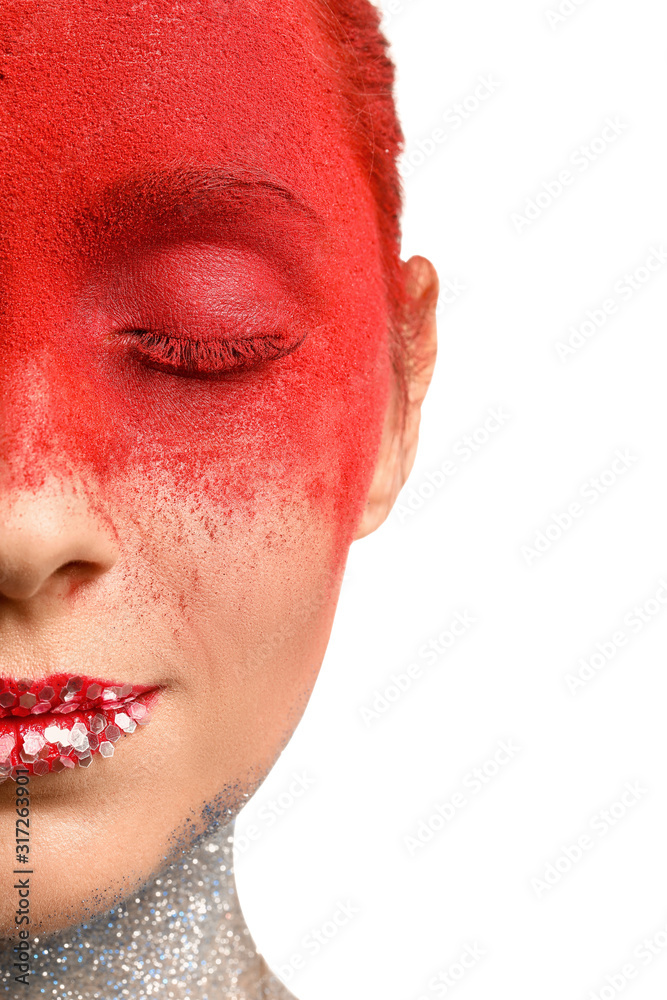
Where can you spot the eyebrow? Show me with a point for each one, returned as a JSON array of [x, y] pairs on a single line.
[[145, 210]]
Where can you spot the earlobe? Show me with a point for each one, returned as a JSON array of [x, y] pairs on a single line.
[[401, 431]]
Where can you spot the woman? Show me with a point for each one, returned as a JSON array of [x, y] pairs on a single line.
[[212, 365]]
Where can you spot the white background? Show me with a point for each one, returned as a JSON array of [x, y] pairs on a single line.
[[494, 877]]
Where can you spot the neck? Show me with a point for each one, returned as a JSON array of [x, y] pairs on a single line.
[[184, 928]]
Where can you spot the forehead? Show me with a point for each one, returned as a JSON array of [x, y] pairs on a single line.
[[88, 91]]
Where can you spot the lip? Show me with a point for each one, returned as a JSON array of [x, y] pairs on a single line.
[[60, 722]]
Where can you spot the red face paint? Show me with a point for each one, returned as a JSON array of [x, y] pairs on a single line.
[[189, 256], [194, 374]]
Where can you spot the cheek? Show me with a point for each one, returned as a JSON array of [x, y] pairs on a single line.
[[299, 445], [236, 613], [299, 435]]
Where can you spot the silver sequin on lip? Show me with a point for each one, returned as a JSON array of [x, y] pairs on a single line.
[[98, 723], [41, 707], [74, 745], [23, 698], [33, 743], [59, 735], [85, 718], [61, 763]]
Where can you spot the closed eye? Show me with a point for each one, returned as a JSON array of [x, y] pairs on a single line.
[[191, 357]]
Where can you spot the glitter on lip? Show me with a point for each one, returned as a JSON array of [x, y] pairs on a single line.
[[52, 724]]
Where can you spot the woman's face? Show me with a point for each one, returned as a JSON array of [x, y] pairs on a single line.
[[194, 375], [197, 416]]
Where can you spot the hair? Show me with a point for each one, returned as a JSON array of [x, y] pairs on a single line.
[[366, 78]]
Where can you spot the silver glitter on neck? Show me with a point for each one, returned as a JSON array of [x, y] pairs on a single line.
[[181, 936]]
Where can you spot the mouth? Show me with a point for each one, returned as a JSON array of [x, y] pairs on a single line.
[[61, 722]]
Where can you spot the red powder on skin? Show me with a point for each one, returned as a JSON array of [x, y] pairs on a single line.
[[365, 75], [94, 96], [169, 530]]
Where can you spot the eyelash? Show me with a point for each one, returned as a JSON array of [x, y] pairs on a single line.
[[190, 357]]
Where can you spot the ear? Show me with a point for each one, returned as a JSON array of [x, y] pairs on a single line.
[[401, 429]]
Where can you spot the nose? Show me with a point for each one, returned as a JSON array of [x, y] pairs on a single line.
[[52, 540]]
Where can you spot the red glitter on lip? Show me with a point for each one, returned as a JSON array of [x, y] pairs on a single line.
[[56, 723]]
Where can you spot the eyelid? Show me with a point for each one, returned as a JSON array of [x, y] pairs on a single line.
[[204, 311], [195, 357]]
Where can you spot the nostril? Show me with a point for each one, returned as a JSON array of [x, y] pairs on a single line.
[[24, 579], [79, 570], [76, 565], [52, 542]]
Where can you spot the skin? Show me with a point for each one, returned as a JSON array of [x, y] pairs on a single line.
[[185, 528]]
